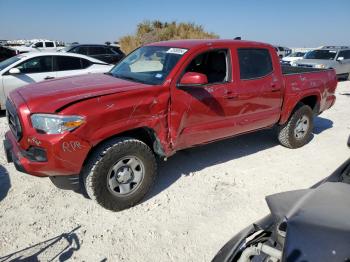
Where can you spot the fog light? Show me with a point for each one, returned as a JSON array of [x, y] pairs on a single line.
[[36, 154]]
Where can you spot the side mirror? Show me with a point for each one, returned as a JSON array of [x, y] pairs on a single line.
[[14, 71], [194, 78], [340, 58]]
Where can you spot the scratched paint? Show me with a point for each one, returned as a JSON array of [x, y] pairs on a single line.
[[34, 141], [72, 146]]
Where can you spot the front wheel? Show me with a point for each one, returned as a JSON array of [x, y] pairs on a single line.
[[119, 173], [297, 131]]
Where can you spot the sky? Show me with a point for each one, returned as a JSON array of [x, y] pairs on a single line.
[[307, 23]]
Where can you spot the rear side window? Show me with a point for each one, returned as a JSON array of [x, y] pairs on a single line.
[[85, 63], [49, 44], [254, 63], [345, 54], [97, 50], [64, 63], [116, 50]]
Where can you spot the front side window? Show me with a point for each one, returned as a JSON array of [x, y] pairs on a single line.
[[213, 64], [321, 54], [254, 63], [38, 64], [64, 63], [148, 64], [39, 44]]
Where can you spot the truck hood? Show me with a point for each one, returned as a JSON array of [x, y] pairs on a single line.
[[50, 96]]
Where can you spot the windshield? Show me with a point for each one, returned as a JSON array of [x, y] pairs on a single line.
[[148, 64], [8, 62], [321, 54]]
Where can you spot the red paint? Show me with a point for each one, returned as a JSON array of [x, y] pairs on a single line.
[[193, 78], [180, 116]]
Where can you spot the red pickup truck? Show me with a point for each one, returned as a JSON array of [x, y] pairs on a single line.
[[108, 129]]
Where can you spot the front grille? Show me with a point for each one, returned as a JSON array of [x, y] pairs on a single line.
[[13, 120]]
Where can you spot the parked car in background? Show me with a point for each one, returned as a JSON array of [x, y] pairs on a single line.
[[303, 225], [328, 57], [29, 68], [282, 51], [40, 46], [7, 52], [107, 53], [292, 57], [108, 129]]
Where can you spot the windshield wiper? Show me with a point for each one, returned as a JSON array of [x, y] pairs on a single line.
[[130, 78]]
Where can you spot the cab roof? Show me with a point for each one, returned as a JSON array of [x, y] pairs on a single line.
[[195, 43]]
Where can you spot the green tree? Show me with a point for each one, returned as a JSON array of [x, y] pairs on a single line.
[[154, 31]]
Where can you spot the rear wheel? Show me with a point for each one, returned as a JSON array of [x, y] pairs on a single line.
[[119, 173], [298, 129]]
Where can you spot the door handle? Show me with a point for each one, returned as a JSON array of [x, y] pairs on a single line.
[[275, 88], [49, 77], [231, 95]]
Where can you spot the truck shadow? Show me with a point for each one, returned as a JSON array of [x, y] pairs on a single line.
[[5, 183], [321, 124], [187, 162], [59, 248]]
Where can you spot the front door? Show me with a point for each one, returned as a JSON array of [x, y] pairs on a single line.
[[199, 113]]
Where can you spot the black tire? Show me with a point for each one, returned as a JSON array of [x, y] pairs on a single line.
[[286, 134], [97, 169]]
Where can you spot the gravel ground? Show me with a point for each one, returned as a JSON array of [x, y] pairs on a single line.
[[202, 197]]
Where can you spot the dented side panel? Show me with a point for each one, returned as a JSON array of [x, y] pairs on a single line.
[[107, 116], [298, 86]]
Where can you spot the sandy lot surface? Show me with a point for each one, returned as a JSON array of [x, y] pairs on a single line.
[[203, 196]]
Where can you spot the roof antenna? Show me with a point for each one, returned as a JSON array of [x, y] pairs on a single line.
[[237, 38]]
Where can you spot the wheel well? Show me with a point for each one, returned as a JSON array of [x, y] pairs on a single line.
[[144, 134], [311, 101]]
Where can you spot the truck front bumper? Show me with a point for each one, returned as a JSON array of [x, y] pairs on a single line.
[[54, 162]]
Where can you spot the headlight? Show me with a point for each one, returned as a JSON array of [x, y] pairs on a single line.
[[55, 124], [320, 66], [293, 64]]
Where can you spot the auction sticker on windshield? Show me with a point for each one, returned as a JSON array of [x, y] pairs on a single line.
[[178, 51]]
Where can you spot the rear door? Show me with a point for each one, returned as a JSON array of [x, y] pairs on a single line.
[[259, 92], [32, 70]]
